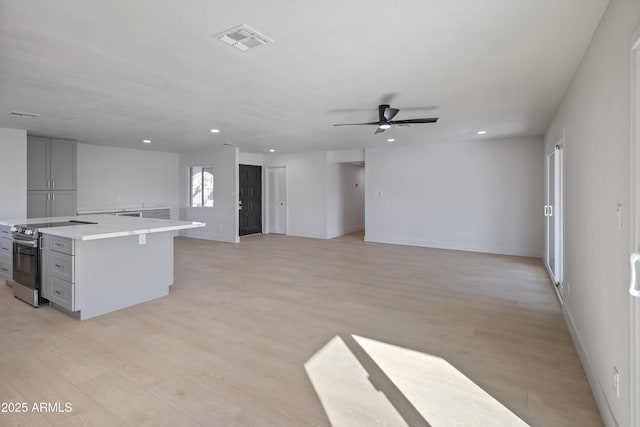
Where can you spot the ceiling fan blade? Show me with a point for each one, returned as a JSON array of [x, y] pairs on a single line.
[[420, 108], [410, 121], [379, 130], [349, 110], [390, 113], [356, 124]]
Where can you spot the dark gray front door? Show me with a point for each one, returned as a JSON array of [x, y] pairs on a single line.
[[250, 213]]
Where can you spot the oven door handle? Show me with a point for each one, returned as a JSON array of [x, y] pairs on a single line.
[[28, 243]]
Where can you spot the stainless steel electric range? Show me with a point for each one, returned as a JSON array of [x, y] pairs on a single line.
[[27, 247]]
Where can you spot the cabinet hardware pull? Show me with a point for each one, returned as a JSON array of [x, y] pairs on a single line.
[[5, 269], [58, 292], [53, 196], [59, 245], [59, 266], [53, 183], [48, 196]]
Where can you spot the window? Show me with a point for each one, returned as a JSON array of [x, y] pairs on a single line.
[[201, 186]]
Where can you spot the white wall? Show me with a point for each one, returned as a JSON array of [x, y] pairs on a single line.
[[13, 173], [335, 200], [254, 159], [346, 156], [596, 115], [222, 218], [482, 195], [345, 199], [306, 192], [113, 178]]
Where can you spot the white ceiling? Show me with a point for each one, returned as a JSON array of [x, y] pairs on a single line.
[[116, 72]]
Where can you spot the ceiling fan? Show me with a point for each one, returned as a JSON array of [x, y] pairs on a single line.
[[385, 116]]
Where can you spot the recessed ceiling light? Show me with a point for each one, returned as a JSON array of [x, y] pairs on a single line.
[[391, 140], [482, 132], [215, 130], [272, 150], [385, 126], [146, 141]]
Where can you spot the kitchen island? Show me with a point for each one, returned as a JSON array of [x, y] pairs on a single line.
[[91, 269]]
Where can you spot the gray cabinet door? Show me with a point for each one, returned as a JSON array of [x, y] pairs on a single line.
[[63, 203], [38, 165], [63, 164], [37, 204]]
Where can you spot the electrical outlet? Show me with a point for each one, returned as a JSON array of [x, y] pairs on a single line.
[[616, 381]]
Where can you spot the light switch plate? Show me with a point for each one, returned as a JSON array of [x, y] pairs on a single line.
[[142, 239]]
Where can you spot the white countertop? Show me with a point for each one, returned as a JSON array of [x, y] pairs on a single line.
[[134, 209], [108, 226]]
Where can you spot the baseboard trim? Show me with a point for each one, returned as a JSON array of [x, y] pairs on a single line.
[[214, 237], [534, 253], [353, 229], [295, 233], [602, 403]]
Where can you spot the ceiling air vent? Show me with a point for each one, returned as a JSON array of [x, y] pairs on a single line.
[[242, 37], [23, 115]]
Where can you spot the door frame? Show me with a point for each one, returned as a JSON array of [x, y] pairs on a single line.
[[261, 188], [267, 195], [634, 225], [557, 276]]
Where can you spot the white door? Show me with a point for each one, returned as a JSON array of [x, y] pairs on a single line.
[[553, 217], [277, 200]]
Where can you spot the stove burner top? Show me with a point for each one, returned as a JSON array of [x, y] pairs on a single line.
[[30, 231]]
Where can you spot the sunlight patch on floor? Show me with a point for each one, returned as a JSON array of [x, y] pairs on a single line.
[[361, 381], [342, 384]]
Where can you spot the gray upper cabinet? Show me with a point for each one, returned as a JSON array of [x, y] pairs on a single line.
[[51, 177], [63, 164], [43, 204], [38, 204], [51, 164], [63, 203], [38, 164]]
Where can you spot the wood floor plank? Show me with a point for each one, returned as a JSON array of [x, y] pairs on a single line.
[[232, 342]]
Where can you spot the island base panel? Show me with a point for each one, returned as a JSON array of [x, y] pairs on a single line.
[[111, 274]]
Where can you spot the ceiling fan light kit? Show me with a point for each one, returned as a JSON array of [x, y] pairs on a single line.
[[385, 119]]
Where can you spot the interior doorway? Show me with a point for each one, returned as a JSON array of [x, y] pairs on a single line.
[[277, 200], [250, 199], [553, 212], [353, 198]]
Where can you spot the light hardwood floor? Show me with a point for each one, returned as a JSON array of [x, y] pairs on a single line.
[[279, 331]]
